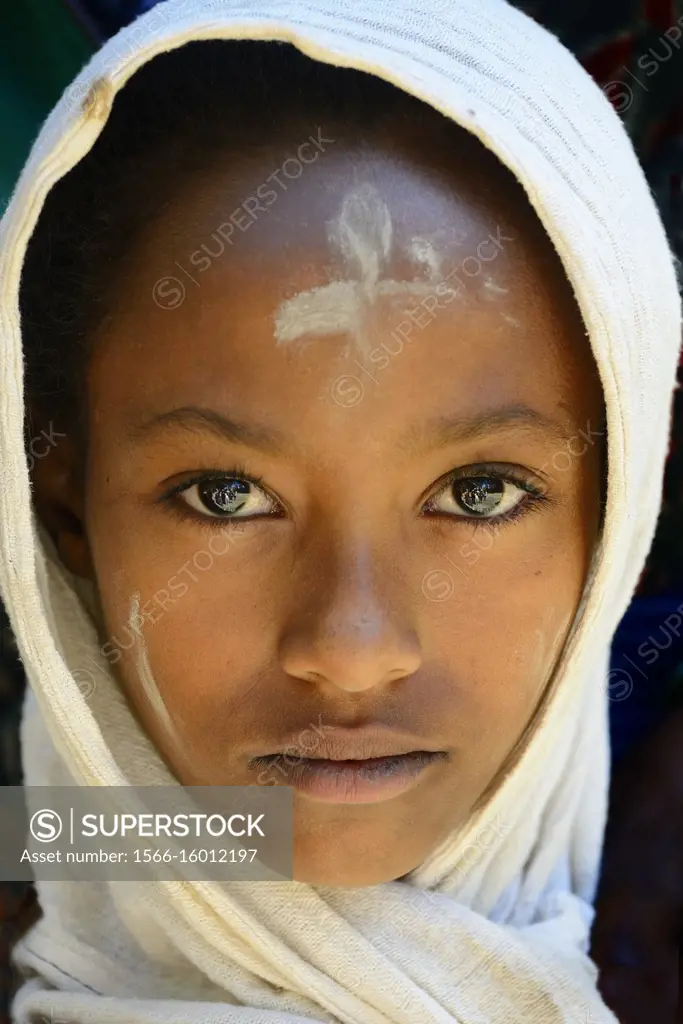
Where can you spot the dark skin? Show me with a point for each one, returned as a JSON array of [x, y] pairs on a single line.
[[326, 607]]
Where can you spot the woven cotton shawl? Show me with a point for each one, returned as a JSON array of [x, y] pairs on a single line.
[[493, 927]]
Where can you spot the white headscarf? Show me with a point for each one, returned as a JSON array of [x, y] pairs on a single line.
[[493, 927]]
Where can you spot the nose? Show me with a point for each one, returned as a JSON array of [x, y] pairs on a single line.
[[349, 630]]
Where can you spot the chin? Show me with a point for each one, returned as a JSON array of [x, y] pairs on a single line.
[[334, 874], [355, 854]]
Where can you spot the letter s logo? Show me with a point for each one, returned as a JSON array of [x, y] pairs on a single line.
[[46, 826]]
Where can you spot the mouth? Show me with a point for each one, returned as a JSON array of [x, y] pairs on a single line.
[[361, 765]]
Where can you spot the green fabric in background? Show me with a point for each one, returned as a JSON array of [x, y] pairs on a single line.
[[42, 47]]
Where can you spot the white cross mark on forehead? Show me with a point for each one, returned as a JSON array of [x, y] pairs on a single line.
[[363, 233]]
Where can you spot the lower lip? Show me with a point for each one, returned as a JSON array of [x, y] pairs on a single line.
[[358, 782]]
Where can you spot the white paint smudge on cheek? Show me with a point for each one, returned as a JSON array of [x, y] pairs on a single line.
[[149, 685], [551, 637]]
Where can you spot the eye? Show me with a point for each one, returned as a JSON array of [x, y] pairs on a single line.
[[482, 496], [228, 497]]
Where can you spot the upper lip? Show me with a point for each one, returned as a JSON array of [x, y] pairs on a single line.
[[341, 743]]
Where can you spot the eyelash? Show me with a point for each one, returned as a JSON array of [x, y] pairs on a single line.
[[185, 512], [535, 502]]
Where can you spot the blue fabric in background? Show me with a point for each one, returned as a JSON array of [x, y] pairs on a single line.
[[647, 650], [106, 17]]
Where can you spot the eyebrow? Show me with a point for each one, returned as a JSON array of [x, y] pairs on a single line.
[[199, 420], [437, 433], [446, 430]]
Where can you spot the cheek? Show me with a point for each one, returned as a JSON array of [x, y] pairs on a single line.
[[508, 600], [192, 607], [492, 611]]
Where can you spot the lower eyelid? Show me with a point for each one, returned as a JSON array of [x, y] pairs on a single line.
[[186, 514], [529, 501], [522, 509]]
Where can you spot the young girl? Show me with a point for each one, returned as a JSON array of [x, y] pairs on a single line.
[[337, 353]]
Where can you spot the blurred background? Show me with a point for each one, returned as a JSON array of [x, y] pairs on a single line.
[[634, 51]]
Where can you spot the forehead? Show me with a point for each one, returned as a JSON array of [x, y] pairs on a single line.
[[263, 273]]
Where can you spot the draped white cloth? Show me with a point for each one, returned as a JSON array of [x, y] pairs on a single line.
[[500, 936]]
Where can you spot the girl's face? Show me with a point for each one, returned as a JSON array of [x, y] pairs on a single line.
[[343, 487]]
